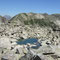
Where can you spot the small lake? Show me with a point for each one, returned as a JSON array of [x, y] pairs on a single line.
[[30, 40]]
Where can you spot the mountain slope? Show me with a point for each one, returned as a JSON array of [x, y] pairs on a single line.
[[43, 20]]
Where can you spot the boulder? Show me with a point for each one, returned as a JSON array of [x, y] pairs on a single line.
[[5, 42]]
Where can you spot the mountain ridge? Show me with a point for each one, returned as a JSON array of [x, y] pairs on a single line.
[[34, 18]]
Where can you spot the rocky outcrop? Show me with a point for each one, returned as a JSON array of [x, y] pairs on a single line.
[[43, 53]]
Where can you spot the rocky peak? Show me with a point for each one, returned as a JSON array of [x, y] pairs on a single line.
[[7, 17], [2, 20]]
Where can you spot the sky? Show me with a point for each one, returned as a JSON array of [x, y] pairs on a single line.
[[13, 7]]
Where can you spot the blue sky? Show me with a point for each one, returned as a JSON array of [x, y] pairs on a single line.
[[13, 7]]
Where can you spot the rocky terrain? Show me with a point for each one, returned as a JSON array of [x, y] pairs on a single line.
[[44, 27]]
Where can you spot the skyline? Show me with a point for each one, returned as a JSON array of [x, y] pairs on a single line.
[[13, 7]]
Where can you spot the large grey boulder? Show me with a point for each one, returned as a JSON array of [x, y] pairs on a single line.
[[5, 42], [9, 56]]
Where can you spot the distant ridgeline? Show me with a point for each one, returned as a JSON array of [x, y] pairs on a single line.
[[43, 20], [3, 20]]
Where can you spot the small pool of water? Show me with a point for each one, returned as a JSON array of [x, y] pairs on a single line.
[[30, 40]]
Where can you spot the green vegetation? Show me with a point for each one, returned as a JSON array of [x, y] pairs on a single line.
[[40, 22], [31, 19], [25, 14]]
